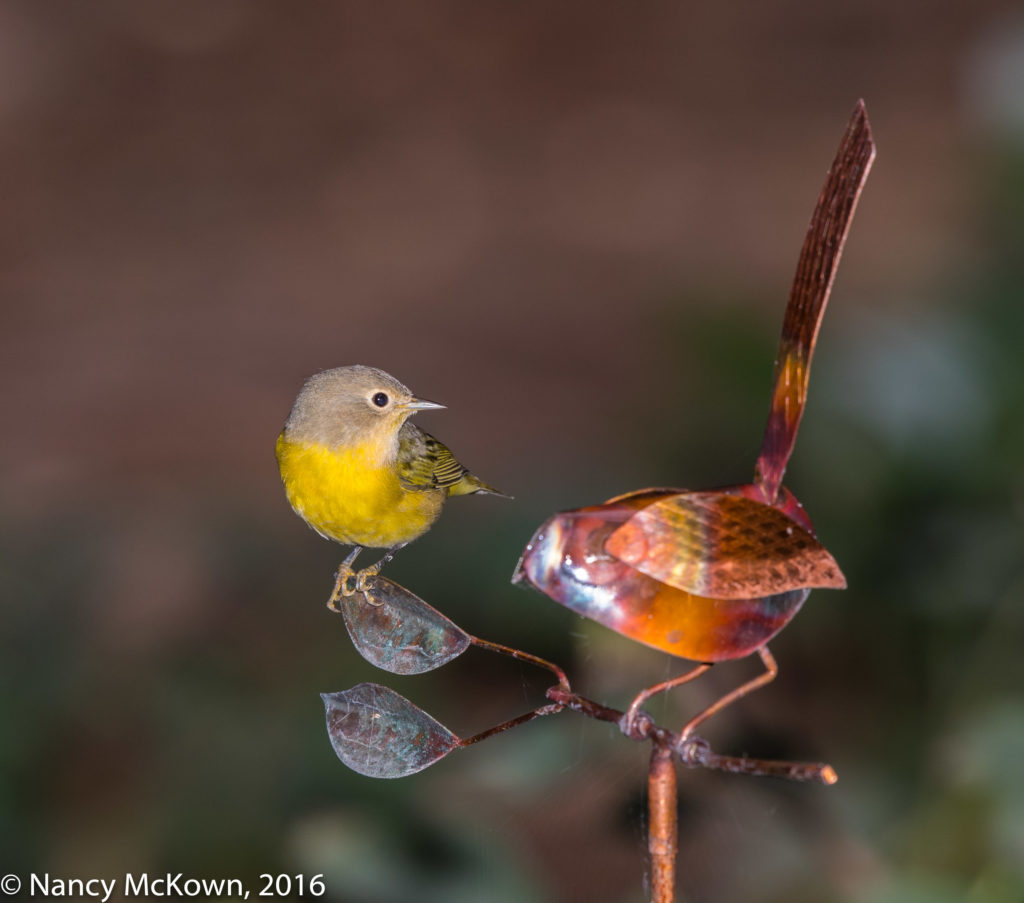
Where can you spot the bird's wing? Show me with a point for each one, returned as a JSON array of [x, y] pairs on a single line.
[[424, 463]]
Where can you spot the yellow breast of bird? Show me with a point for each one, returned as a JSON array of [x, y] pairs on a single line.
[[346, 495]]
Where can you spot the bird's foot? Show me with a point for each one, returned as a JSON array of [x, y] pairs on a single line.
[[345, 582], [348, 582], [363, 580]]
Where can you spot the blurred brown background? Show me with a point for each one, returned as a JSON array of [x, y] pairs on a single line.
[[574, 224]]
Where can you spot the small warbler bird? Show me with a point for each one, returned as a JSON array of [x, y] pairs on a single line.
[[359, 473]]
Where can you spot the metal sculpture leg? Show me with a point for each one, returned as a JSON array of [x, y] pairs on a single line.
[[771, 672], [629, 724]]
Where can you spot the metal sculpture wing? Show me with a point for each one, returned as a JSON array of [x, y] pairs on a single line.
[[723, 547]]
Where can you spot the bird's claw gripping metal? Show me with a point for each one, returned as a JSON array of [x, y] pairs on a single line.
[[363, 580], [348, 582], [341, 587]]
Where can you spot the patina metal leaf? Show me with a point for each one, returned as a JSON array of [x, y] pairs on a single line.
[[398, 632], [380, 734]]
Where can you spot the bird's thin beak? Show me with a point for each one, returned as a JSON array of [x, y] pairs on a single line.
[[421, 404]]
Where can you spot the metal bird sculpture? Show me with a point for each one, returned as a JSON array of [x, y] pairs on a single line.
[[712, 576]]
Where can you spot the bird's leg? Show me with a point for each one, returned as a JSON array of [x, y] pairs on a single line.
[[342, 578], [364, 576]]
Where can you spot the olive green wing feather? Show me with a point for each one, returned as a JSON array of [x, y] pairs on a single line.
[[425, 463]]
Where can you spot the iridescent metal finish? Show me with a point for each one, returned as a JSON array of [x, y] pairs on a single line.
[[568, 560], [723, 546], [712, 576]]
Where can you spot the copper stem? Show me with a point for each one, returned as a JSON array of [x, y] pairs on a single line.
[[663, 830]]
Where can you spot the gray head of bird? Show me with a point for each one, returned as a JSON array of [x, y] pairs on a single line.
[[350, 406]]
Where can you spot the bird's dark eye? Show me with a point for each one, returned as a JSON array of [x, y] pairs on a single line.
[[381, 400]]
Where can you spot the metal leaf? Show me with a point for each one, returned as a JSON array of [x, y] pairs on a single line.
[[398, 632], [380, 734]]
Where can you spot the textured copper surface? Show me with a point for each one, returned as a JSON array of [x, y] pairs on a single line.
[[723, 546]]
